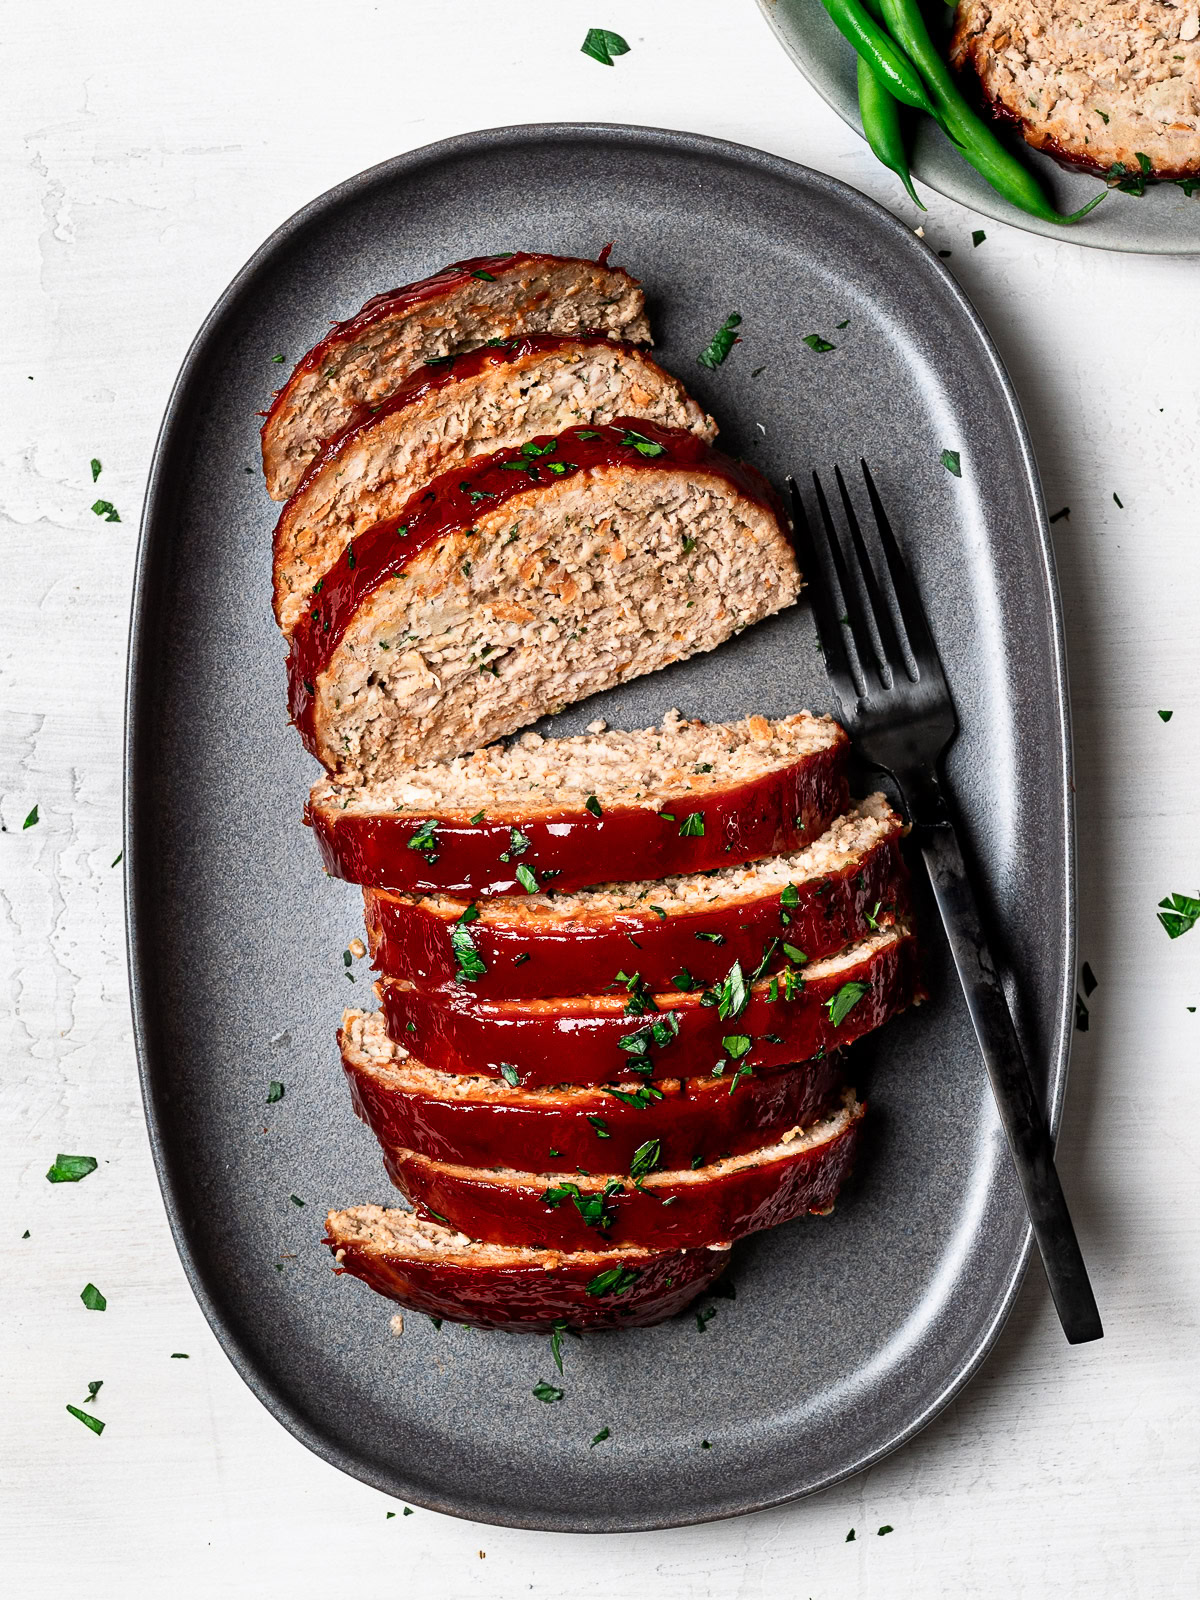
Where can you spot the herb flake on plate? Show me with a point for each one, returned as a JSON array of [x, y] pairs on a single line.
[[1179, 914], [602, 44], [88, 1421], [721, 343], [814, 341], [70, 1169], [547, 1393], [274, 1092], [952, 462], [92, 1298]]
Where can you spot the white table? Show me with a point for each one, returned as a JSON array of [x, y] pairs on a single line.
[[148, 149]]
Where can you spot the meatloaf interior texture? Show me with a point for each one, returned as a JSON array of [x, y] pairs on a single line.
[[683, 760], [1093, 82], [565, 590], [441, 416], [362, 361]]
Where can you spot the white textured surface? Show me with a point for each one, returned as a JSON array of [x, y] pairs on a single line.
[[147, 150]]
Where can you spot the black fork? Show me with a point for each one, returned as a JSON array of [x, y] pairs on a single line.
[[897, 708]]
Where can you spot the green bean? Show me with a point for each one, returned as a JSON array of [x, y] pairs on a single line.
[[974, 139], [893, 68], [880, 116]]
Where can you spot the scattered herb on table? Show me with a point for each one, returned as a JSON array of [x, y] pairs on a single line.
[[92, 1298], [94, 1388], [1166, 715], [1090, 982], [952, 462], [88, 1421], [814, 341], [117, 859], [70, 1169], [547, 1393], [977, 237], [96, 469], [602, 44], [277, 358], [296, 1200], [106, 509], [600, 1437], [31, 821], [1117, 499], [180, 1355], [887, 1528], [1179, 914], [703, 1318], [721, 343], [850, 1537], [274, 1091]]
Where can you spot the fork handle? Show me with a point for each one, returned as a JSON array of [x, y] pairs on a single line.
[[1020, 1109]]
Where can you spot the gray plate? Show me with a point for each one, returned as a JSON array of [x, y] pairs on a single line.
[[1162, 222], [847, 1334]]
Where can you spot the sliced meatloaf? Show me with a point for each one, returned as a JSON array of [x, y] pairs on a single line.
[[646, 1204], [433, 1269], [441, 415], [485, 1122], [527, 580], [730, 1028], [1110, 87], [686, 797], [846, 884], [360, 362]]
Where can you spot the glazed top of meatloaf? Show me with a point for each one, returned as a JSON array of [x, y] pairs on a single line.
[[534, 775], [359, 362], [1096, 83], [846, 841]]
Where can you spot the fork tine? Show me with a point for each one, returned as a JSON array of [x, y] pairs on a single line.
[[912, 612], [890, 657], [829, 630], [855, 616]]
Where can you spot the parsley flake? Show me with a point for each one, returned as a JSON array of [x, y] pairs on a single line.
[[815, 342], [1166, 715], [593, 805], [721, 343], [106, 509], [88, 1421], [602, 44], [841, 1004], [1178, 913], [274, 1091], [692, 826], [613, 1280], [600, 1437], [92, 1298], [96, 469], [70, 1169], [425, 839], [952, 462], [509, 1073], [527, 879], [643, 446], [31, 821], [977, 238], [547, 1393]]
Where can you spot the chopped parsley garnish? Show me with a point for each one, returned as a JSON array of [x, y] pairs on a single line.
[[850, 1537], [600, 1437], [1117, 499], [587, 433], [601, 1127], [88, 1421], [1178, 913], [70, 1169], [592, 1206], [742, 1072], [487, 277], [116, 861], [613, 1280], [602, 44], [798, 956], [180, 1355], [277, 359], [106, 509], [274, 1091], [509, 1073], [703, 1318], [556, 1337], [736, 1045], [478, 817], [527, 880], [684, 981], [1090, 984], [296, 1200], [437, 1324], [769, 950], [712, 938], [643, 446], [887, 1528], [646, 1158], [815, 342], [640, 1002], [977, 238], [470, 963], [730, 996], [92, 1298], [425, 839], [660, 1032], [593, 805], [546, 1392], [841, 1004], [31, 821], [640, 1099], [789, 896], [94, 1388], [692, 827], [697, 1162], [96, 469], [519, 961], [952, 462], [721, 343], [1166, 715], [518, 843]]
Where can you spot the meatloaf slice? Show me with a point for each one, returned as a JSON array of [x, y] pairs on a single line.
[[729, 1029], [686, 797], [441, 415], [1111, 88], [647, 1204], [485, 1122], [526, 580], [433, 1269], [359, 363], [847, 883]]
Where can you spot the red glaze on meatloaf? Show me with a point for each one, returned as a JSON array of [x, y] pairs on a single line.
[[484, 1122], [741, 1195], [451, 504], [594, 1038], [849, 883], [432, 1269]]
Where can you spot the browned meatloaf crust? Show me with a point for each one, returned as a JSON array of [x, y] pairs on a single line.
[[1095, 83], [360, 363], [487, 399]]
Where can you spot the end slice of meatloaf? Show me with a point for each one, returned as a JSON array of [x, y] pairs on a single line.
[[846, 884], [733, 1027], [649, 1205], [686, 797], [433, 1269], [527, 580], [359, 363], [443, 414], [485, 1122], [1111, 88]]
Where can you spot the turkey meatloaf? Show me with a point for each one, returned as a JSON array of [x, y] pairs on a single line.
[[426, 1267], [441, 415], [362, 361], [847, 883], [486, 1122], [802, 1170], [527, 580], [1112, 86], [541, 813]]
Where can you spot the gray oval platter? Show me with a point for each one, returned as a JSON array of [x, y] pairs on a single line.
[[1164, 221], [848, 1333]]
